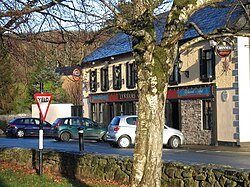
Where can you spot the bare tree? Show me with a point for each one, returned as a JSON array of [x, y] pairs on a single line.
[[154, 60]]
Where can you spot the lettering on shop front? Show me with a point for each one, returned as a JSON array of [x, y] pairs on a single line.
[[128, 96]]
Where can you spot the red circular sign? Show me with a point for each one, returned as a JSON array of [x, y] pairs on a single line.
[[76, 74], [223, 49]]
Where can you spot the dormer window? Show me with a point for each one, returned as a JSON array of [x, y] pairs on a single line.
[[104, 79], [207, 65], [131, 75], [93, 81], [117, 77]]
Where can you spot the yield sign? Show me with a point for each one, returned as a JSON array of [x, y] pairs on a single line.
[[43, 102]]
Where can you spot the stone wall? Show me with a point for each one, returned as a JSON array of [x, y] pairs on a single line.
[[78, 166], [191, 112]]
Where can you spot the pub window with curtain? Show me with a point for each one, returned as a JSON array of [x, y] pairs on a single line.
[[131, 75], [104, 79], [93, 81], [117, 77], [207, 65]]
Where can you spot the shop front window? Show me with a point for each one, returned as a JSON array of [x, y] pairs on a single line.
[[93, 109], [207, 115]]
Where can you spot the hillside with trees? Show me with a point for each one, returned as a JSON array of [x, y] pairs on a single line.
[[27, 61]]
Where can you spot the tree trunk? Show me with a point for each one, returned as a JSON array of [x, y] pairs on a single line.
[[153, 74]]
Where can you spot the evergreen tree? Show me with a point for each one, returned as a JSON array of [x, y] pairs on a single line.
[[45, 73]]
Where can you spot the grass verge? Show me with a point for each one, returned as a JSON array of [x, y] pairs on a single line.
[[20, 176]]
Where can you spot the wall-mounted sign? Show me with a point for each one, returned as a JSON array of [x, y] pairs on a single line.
[[76, 74], [114, 97], [223, 49], [193, 92]]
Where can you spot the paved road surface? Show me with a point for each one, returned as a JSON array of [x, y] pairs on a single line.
[[192, 156]]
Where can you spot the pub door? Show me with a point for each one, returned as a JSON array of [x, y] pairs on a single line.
[[172, 114]]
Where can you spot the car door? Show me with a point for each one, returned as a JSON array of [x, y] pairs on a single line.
[[166, 134], [91, 130], [31, 126], [74, 124], [46, 128], [130, 127]]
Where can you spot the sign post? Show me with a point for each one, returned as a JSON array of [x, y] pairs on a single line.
[[43, 102]]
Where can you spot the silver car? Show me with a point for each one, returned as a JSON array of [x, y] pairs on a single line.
[[121, 133]]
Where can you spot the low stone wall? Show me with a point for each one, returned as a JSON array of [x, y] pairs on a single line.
[[75, 165]]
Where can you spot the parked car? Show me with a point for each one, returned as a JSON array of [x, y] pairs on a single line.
[[26, 126], [64, 129], [121, 133]]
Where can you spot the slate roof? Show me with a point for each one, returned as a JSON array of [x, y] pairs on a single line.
[[208, 19], [119, 44]]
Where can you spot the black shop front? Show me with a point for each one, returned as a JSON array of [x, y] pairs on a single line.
[[103, 107]]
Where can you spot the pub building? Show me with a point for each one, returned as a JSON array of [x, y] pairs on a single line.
[[208, 92]]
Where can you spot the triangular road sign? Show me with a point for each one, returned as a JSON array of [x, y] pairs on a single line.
[[43, 102]]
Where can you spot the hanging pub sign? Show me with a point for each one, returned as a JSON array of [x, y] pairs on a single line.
[[223, 49], [76, 74]]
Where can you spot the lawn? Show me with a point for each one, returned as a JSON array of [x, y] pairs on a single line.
[[20, 176]]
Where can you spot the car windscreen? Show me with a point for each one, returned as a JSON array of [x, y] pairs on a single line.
[[115, 121]]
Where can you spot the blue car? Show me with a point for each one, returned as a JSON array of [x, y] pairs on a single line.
[[27, 126]]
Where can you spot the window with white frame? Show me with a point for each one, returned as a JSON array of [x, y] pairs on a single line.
[[104, 79], [117, 77], [207, 65], [93, 81], [131, 75]]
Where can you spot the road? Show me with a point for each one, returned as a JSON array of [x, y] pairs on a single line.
[[239, 160]]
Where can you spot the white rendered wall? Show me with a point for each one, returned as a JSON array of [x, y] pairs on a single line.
[[54, 111], [244, 88]]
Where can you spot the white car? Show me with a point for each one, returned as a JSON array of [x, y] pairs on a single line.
[[121, 133]]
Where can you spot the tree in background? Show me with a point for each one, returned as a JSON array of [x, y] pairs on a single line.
[[25, 43], [154, 60], [24, 56], [45, 73], [74, 89], [7, 91]]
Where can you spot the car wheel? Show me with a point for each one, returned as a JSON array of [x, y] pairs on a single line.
[[65, 136], [20, 133], [174, 142], [124, 142]]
